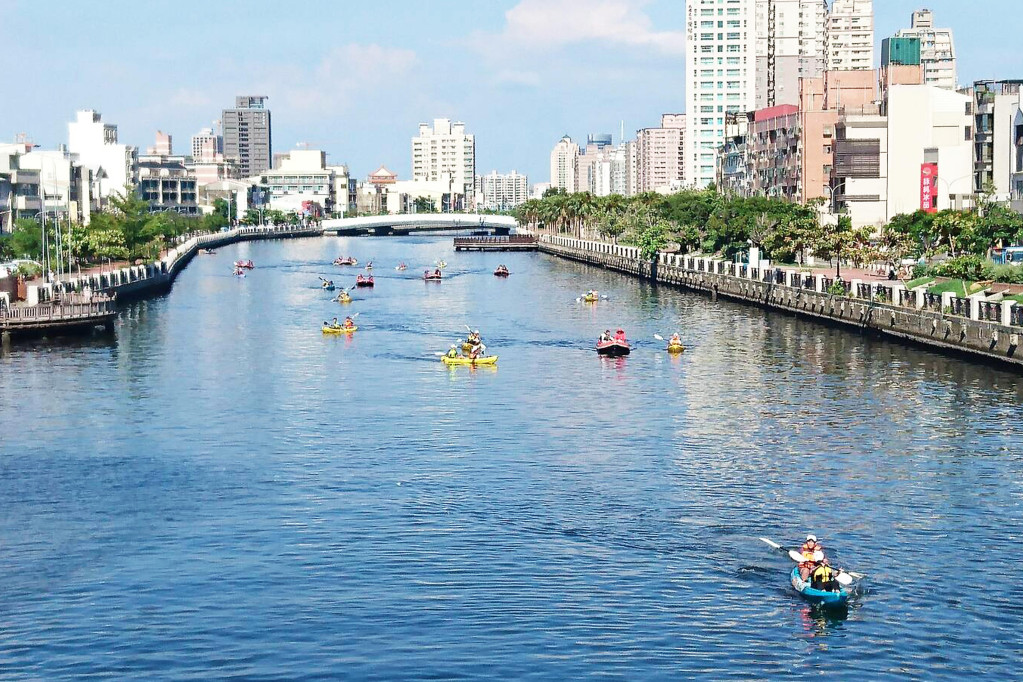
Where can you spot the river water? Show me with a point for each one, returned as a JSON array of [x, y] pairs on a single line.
[[221, 491]]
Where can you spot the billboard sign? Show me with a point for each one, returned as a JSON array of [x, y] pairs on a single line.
[[929, 187]]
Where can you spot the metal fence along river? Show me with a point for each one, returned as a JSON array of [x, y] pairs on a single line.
[[218, 490]]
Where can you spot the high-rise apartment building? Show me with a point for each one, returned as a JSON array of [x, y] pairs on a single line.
[[937, 50], [247, 140], [790, 46], [445, 150], [720, 77], [163, 146], [661, 156], [849, 35], [563, 158], [501, 191]]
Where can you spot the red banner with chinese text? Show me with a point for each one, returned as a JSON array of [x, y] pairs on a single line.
[[929, 187]]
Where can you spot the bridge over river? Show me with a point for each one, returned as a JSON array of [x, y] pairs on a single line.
[[420, 222]]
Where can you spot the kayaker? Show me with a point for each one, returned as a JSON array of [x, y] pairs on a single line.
[[823, 576], [436, 273], [606, 336], [349, 322], [676, 340], [453, 351], [807, 550], [620, 335], [334, 324]]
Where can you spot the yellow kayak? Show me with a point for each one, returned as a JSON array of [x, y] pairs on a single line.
[[344, 299], [339, 330], [462, 360], [675, 348], [591, 299]]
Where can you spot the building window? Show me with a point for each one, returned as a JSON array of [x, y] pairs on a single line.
[[968, 133]]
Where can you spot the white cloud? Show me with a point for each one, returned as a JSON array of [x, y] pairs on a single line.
[[550, 24], [345, 76]]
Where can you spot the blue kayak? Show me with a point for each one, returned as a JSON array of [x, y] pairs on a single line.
[[817, 596]]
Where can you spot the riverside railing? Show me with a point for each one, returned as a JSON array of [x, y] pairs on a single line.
[[1005, 312]]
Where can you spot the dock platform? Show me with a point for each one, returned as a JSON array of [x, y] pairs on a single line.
[[515, 242], [74, 315]]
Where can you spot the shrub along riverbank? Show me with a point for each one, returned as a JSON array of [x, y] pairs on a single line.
[[709, 222]]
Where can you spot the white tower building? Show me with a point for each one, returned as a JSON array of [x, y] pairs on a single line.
[[850, 35], [563, 158], [720, 77], [445, 150], [937, 50]]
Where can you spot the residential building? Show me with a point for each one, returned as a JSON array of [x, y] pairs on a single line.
[[720, 78], [19, 187], [593, 169], [995, 107], [445, 151], [623, 169], [167, 184], [937, 49], [849, 36], [344, 191], [207, 146], [247, 135], [773, 149], [501, 192], [163, 146], [303, 184], [661, 155], [563, 161], [539, 189], [733, 173], [65, 185], [790, 45], [113, 165], [821, 100]]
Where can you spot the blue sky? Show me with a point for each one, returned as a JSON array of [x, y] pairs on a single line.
[[355, 78]]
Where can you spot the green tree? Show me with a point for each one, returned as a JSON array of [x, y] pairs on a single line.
[[840, 241]]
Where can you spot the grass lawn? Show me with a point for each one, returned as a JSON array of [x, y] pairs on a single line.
[[1018, 299], [919, 281], [961, 288]]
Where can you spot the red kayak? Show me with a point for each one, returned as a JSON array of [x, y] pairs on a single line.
[[501, 273], [613, 348], [247, 264], [361, 281], [434, 277]]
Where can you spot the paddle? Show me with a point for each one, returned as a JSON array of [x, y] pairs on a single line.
[[658, 337], [844, 577]]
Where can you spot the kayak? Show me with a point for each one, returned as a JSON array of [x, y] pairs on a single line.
[[591, 299], [339, 330], [432, 278], [501, 273], [462, 360], [364, 282], [344, 299], [345, 261], [675, 348], [328, 287], [613, 348], [817, 596], [401, 267], [247, 264]]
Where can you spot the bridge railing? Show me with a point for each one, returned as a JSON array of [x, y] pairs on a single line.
[[99, 304]]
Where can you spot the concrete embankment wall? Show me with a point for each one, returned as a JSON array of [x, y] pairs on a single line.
[[976, 327], [139, 281]]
